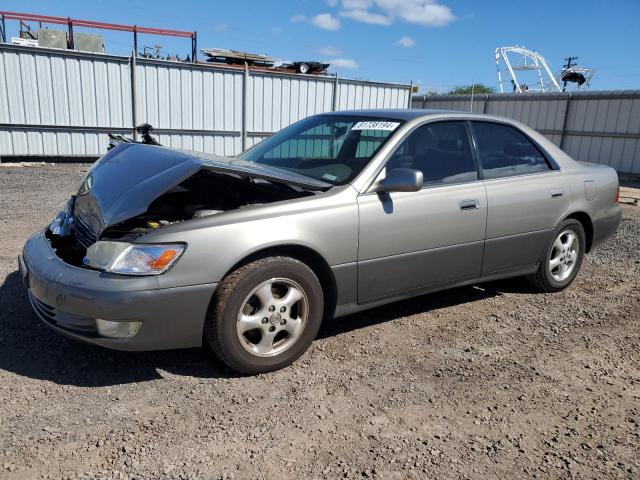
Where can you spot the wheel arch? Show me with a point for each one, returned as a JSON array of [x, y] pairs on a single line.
[[310, 257], [587, 223]]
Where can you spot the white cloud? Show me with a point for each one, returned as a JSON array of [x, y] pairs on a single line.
[[344, 63], [329, 51], [355, 4], [298, 18], [365, 16], [406, 42], [326, 21], [430, 13]]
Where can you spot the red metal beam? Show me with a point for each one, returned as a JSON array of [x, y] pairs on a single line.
[[30, 17]]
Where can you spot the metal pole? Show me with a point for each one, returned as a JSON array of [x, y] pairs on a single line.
[[70, 40], [564, 121], [3, 25], [410, 102], [135, 40], [486, 101], [194, 47], [473, 88], [334, 102], [134, 119], [245, 104]]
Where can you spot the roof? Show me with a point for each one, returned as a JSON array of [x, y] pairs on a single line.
[[395, 113]]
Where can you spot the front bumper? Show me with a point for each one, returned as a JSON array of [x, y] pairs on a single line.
[[69, 299]]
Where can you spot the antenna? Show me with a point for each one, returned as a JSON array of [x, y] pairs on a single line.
[[570, 64]]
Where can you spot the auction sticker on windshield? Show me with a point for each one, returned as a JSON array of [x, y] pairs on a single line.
[[375, 125]]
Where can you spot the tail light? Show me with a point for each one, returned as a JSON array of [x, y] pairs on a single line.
[[617, 199]]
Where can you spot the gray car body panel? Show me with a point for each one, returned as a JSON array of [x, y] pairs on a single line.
[[379, 247]]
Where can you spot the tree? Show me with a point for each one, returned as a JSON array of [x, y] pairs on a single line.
[[466, 89]]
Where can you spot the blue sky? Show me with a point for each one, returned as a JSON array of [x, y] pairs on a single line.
[[437, 44]]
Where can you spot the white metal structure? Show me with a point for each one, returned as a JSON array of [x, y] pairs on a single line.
[[528, 60]]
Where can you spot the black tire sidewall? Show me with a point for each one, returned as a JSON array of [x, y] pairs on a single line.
[[285, 268], [577, 228]]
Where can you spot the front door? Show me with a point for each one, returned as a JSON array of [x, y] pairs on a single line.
[[412, 241]]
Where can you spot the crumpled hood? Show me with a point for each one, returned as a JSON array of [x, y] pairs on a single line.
[[124, 182]]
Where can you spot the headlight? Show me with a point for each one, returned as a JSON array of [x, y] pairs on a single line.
[[133, 258]]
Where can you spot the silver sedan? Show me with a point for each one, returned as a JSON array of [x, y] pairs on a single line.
[[335, 214]]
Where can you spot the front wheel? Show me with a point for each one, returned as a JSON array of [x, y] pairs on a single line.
[[563, 258], [265, 315]]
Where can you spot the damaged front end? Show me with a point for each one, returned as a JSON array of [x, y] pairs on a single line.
[[135, 189]]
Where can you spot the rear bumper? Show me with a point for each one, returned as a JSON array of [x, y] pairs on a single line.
[[69, 299], [606, 224]]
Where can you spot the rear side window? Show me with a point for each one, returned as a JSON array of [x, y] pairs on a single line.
[[441, 151], [505, 152]]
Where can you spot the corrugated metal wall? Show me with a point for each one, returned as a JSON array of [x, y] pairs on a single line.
[[600, 127], [63, 103], [53, 91]]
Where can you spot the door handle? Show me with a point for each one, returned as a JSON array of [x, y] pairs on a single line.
[[557, 193], [469, 204]]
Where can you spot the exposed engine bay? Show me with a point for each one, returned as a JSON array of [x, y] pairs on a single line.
[[204, 194]]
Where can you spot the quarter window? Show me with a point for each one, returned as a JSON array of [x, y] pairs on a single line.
[[441, 151], [505, 152]]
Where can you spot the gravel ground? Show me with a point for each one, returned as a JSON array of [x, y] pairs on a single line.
[[492, 381]]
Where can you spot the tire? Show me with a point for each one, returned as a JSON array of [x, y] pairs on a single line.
[[303, 68], [265, 315], [554, 277]]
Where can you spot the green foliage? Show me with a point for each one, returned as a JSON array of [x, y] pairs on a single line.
[[466, 89]]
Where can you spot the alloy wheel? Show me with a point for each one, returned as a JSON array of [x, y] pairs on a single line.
[[272, 317], [564, 255]]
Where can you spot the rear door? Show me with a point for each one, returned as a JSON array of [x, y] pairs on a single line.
[[410, 241], [525, 195]]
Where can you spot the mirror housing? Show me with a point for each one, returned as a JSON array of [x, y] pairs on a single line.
[[401, 180]]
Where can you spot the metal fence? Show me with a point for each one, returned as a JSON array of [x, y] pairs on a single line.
[[63, 103], [600, 127]]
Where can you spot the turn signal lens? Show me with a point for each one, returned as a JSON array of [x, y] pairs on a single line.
[[164, 260], [617, 199]]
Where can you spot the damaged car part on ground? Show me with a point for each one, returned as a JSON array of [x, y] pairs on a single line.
[[335, 214]]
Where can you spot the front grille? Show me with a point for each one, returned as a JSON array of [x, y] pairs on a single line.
[[68, 321], [84, 234]]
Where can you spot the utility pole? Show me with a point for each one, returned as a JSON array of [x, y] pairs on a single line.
[[570, 63]]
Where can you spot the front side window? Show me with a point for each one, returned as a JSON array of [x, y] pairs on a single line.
[[441, 151], [505, 152], [331, 148]]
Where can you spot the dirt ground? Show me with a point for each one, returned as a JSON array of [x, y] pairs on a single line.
[[491, 381]]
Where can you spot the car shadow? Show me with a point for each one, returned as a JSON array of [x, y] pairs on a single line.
[[29, 348], [421, 304]]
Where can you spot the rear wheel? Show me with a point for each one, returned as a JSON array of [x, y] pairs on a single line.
[[265, 315], [563, 258]]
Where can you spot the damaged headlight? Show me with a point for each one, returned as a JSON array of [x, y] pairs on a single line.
[[63, 223], [133, 258]]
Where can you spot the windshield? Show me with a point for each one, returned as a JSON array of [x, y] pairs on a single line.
[[331, 148]]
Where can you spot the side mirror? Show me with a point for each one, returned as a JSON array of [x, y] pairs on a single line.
[[401, 180]]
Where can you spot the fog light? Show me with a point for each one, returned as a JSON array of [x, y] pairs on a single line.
[[111, 329]]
